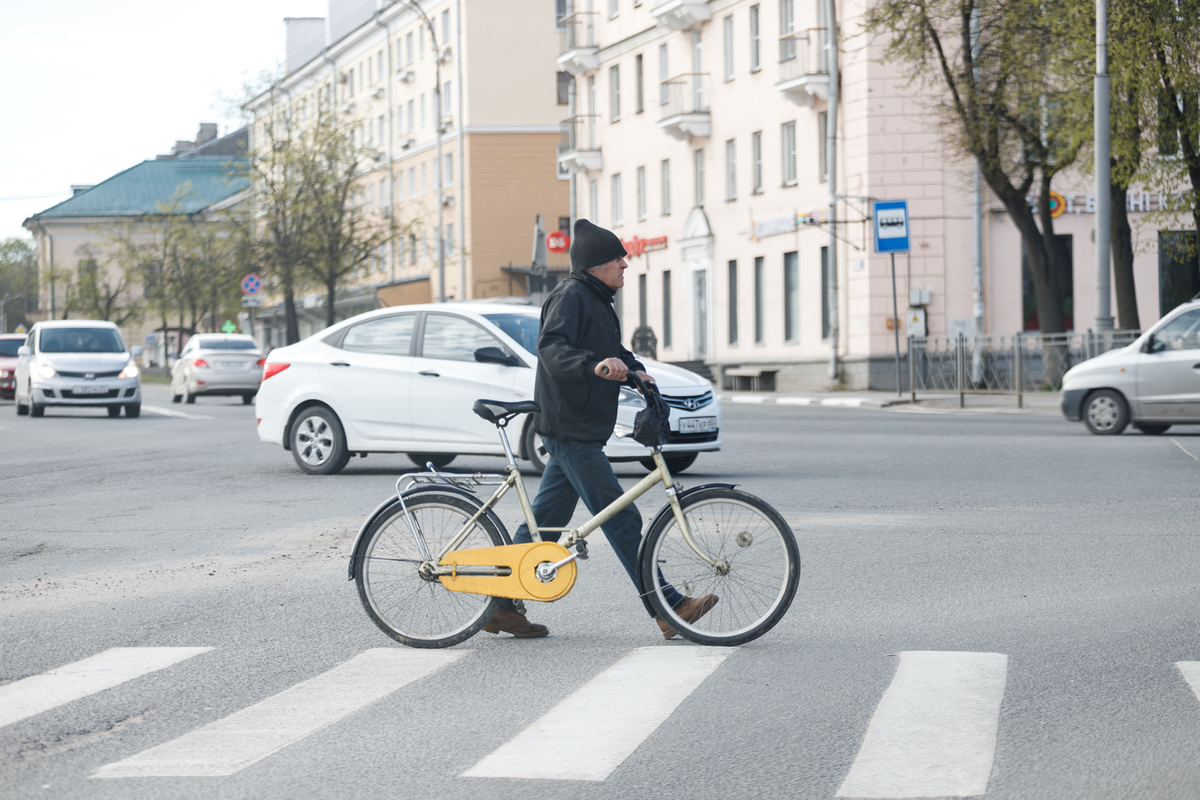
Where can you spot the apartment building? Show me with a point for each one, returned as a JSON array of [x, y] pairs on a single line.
[[460, 102], [698, 134]]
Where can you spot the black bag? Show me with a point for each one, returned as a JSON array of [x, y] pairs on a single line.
[[652, 425]]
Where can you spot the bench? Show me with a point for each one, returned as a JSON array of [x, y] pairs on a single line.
[[751, 379]]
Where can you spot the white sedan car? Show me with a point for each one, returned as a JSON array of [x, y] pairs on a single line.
[[403, 379], [217, 364], [1153, 383]]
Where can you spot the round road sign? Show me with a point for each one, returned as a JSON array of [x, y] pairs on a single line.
[[557, 242], [251, 284]]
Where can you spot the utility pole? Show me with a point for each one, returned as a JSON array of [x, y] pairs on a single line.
[[1104, 318], [440, 238], [831, 56]]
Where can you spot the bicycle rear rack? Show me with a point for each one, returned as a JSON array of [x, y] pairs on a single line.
[[433, 477]]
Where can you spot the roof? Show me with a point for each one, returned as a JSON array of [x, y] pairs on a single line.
[[142, 188]]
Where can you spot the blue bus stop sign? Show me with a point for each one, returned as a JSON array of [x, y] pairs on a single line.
[[891, 226]]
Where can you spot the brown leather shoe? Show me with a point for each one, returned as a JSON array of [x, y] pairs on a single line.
[[514, 623], [690, 610]]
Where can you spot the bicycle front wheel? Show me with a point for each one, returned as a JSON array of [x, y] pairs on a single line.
[[409, 607], [755, 580]]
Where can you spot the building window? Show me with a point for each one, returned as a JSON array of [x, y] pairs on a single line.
[[825, 315], [787, 25], [445, 26], [612, 8], [733, 300], [639, 76], [616, 200], [728, 30], [408, 43], [641, 192], [698, 71], [666, 186], [564, 88], [791, 296], [755, 40], [730, 170], [422, 109], [449, 161], [412, 248], [412, 182], [594, 200], [822, 147], [664, 73], [379, 68], [756, 170], [789, 153], [666, 309], [1167, 130], [614, 93], [382, 129], [642, 300], [560, 11], [350, 87], [698, 175], [759, 268], [450, 239], [400, 119], [412, 117], [447, 94], [420, 42]]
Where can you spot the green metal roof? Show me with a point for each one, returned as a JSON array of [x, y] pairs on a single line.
[[142, 188]]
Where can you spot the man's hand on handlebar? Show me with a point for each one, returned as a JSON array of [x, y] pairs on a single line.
[[612, 369], [646, 378]]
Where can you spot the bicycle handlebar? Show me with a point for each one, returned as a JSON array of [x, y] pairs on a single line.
[[638, 383]]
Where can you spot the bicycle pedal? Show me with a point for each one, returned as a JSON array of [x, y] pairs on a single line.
[[581, 551]]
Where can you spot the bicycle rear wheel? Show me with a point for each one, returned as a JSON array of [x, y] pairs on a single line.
[[410, 608], [745, 533]]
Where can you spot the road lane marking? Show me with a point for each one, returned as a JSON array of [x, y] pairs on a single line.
[[1181, 447], [170, 412], [38, 693], [590, 733], [796, 401], [934, 732], [245, 737], [1191, 674]]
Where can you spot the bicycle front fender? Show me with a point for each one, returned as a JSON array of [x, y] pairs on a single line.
[[666, 511], [386, 505]]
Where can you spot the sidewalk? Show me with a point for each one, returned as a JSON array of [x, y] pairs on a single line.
[[1032, 402]]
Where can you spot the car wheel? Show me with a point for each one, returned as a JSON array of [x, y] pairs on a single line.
[[318, 442], [133, 410], [675, 463], [248, 398], [1152, 430], [114, 411], [439, 460], [1105, 413], [36, 410], [535, 450], [175, 398], [22, 408]]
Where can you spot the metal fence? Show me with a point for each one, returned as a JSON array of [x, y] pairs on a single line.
[[1017, 365]]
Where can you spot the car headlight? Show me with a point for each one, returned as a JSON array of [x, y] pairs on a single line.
[[46, 372], [621, 431], [130, 371], [630, 397], [3, 373]]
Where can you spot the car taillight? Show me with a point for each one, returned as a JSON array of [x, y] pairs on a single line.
[[273, 369], [260, 362], [199, 362]]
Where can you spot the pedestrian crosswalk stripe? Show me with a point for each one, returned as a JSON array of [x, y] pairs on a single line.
[[589, 734], [934, 732], [1191, 674], [35, 694], [250, 735]]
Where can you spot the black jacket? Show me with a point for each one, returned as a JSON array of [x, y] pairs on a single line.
[[579, 329]]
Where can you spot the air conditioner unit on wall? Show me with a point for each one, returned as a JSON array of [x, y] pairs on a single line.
[[407, 143], [446, 54], [378, 93], [342, 77], [406, 75]]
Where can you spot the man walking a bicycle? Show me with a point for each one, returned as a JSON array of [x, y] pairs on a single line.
[[581, 366]]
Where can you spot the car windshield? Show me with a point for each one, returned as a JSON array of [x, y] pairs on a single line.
[[81, 340], [228, 344], [8, 347], [523, 328]]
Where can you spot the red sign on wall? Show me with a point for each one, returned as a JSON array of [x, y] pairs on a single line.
[[557, 242], [636, 246]]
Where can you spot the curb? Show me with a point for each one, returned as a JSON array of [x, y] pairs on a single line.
[[794, 400]]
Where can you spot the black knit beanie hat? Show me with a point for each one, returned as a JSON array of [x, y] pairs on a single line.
[[592, 246]]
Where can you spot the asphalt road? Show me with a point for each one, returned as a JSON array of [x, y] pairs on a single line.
[[1072, 557]]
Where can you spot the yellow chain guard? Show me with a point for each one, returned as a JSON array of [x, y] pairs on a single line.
[[522, 559]]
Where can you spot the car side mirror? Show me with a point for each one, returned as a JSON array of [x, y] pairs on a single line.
[[24, 350], [1152, 345], [494, 355], [136, 351]]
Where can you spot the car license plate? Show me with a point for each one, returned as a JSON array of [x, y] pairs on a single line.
[[697, 424], [91, 389], [230, 365]]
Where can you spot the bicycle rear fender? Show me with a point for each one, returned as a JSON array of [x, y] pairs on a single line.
[[666, 509], [395, 500]]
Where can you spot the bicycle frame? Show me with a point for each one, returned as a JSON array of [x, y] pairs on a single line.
[[573, 536]]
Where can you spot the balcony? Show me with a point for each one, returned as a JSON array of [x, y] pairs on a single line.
[[685, 113], [803, 75], [577, 151], [577, 43], [680, 15]]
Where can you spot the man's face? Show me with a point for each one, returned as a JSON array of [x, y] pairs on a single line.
[[611, 274]]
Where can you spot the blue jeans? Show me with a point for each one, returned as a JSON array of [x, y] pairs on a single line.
[[581, 470]]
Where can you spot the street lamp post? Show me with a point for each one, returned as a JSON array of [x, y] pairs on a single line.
[[439, 167], [1104, 318], [3, 305]]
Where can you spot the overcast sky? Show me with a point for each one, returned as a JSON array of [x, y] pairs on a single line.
[[92, 87]]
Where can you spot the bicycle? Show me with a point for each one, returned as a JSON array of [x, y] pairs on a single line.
[[431, 560]]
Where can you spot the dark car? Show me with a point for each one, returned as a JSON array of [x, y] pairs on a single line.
[[9, 342]]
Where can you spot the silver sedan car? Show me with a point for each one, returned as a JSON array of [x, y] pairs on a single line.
[[217, 364]]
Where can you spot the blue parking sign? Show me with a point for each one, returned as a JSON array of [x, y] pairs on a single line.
[[891, 226]]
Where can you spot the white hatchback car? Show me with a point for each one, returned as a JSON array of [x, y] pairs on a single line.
[[403, 380], [1153, 383], [77, 363]]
